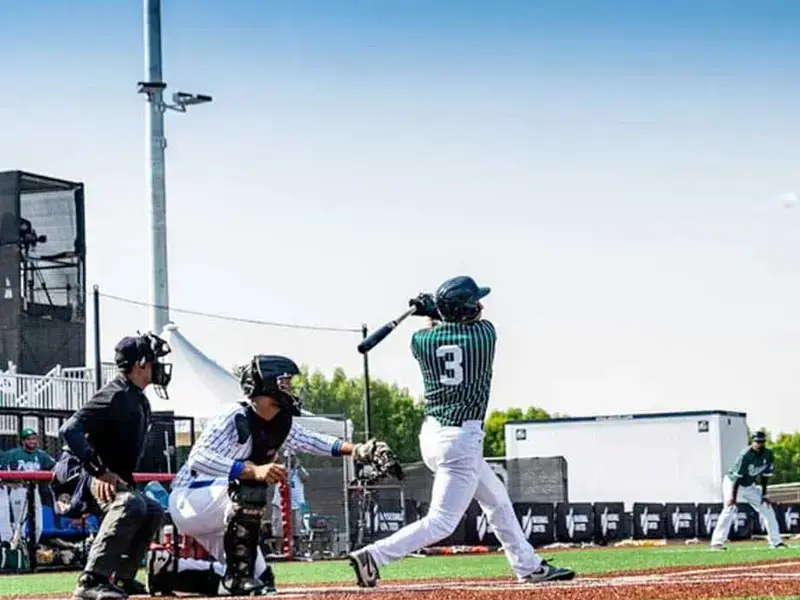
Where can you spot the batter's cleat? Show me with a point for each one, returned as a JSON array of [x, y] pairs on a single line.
[[160, 569], [548, 572], [781, 546], [363, 564], [96, 587], [717, 548]]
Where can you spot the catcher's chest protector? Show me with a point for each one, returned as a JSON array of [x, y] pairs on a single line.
[[268, 436]]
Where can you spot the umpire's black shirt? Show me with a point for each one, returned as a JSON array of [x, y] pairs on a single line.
[[113, 426]]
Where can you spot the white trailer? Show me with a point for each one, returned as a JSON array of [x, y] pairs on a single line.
[[655, 457]]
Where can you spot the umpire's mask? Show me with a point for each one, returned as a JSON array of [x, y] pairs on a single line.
[[143, 349]]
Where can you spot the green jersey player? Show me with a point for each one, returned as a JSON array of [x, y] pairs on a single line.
[[27, 457], [455, 355], [739, 485]]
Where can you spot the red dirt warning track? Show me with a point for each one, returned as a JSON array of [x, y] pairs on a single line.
[[779, 578]]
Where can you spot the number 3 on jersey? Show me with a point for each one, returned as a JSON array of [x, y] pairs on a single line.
[[453, 358]]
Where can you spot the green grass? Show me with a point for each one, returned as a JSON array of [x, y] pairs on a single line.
[[595, 560]]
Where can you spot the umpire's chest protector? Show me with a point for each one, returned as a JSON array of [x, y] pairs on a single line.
[[267, 436]]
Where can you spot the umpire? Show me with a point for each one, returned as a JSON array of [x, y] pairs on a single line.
[[108, 435]]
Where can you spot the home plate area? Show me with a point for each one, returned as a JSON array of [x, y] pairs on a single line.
[[733, 581]]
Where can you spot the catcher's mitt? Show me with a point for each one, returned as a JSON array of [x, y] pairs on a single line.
[[380, 456]]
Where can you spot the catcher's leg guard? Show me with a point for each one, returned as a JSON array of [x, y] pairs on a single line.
[[164, 580], [242, 538]]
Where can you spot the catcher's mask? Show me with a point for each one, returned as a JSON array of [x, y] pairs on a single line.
[[143, 349], [270, 375]]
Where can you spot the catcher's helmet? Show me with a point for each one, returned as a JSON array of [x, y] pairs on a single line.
[[458, 299], [271, 376]]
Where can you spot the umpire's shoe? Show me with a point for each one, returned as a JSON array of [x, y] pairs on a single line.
[[97, 587], [366, 570], [548, 572]]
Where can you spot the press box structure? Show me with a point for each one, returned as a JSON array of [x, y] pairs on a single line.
[[42, 273], [649, 457]]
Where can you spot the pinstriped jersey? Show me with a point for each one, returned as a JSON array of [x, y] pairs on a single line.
[[218, 448], [456, 361]]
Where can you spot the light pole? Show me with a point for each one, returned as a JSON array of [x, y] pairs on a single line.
[[153, 87]]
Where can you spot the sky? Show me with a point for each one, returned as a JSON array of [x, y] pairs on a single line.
[[609, 169]]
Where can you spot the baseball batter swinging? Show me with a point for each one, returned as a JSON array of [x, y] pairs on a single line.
[[220, 496], [455, 357]]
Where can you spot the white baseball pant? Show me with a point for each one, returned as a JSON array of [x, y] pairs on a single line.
[[14, 503], [455, 456], [202, 513], [752, 495], [6, 531]]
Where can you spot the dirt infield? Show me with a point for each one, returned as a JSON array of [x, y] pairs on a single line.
[[781, 578]]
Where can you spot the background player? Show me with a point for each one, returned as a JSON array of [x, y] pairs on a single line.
[[27, 457], [220, 496], [739, 485], [456, 359]]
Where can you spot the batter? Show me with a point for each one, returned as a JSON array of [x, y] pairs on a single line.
[[456, 355]]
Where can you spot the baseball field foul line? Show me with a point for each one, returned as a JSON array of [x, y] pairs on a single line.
[[711, 575], [776, 571]]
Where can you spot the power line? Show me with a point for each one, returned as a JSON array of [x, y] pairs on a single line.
[[234, 319]]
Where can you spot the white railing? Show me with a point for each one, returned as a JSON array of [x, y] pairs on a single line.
[[44, 392], [107, 370]]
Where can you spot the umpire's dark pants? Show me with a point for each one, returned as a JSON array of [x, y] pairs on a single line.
[[130, 521]]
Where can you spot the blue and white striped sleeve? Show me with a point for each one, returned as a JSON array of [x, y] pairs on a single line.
[[214, 454], [301, 439]]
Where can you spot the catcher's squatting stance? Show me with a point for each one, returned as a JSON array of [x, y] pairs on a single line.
[[219, 497], [456, 357]]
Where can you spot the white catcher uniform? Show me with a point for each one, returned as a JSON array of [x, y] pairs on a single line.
[[456, 362], [199, 504]]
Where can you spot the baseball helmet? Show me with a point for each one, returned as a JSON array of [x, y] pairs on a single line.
[[271, 375], [143, 349], [458, 299]]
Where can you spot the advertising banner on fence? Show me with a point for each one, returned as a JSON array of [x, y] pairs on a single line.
[[648, 521]]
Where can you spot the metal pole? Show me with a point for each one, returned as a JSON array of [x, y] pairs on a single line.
[[98, 373], [156, 144], [367, 403]]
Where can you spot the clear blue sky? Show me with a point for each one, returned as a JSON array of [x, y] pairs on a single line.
[[607, 167]]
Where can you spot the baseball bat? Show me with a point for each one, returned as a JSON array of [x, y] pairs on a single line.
[[377, 336]]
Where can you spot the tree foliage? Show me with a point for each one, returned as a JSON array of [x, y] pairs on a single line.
[[494, 441], [786, 450], [396, 414], [786, 453]]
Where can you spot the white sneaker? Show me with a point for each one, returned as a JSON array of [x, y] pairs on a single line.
[[717, 547], [547, 572], [363, 564]]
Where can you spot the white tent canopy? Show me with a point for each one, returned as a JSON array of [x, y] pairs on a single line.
[[202, 389]]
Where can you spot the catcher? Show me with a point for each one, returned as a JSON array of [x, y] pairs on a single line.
[[220, 496]]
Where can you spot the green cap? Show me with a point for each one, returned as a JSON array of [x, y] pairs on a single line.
[[26, 433]]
